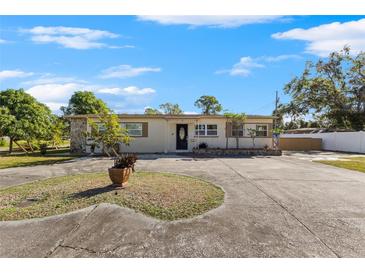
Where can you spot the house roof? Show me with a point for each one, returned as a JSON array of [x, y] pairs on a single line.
[[168, 116]]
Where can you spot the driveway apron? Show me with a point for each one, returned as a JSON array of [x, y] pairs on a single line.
[[274, 207]]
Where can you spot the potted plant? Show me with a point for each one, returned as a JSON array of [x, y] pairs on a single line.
[[203, 145], [121, 170]]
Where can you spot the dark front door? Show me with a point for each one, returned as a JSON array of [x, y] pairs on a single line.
[[182, 136]]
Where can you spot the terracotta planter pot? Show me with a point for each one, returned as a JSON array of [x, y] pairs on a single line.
[[119, 176]]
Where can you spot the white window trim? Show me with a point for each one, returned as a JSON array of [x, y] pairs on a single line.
[[205, 130], [123, 124], [100, 127], [266, 131]]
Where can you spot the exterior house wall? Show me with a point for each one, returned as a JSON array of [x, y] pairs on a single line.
[[194, 140], [162, 134], [259, 142], [220, 140], [247, 142], [153, 143]]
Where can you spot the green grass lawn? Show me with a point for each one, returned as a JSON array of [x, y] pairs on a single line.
[[22, 159], [5, 144], [353, 163], [160, 195]]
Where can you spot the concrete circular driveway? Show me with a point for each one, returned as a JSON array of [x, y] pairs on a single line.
[[274, 207]]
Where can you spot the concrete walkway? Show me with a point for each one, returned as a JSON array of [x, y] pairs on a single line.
[[274, 207], [316, 155]]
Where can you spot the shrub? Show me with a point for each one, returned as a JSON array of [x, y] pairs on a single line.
[[43, 148], [203, 145], [3, 142], [125, 161]]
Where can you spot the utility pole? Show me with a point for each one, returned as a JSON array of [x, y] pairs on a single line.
[[276, 136], [276, 108]]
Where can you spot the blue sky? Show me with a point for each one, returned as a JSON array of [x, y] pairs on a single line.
[[134, 62]]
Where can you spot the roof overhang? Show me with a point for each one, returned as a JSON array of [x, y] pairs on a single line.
[[166, 116]]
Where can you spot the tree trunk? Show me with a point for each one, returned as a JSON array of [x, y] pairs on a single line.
[[105, 150], [30, 145], [55, 145], [115, 153], [26, 151], [237, 142], [227, 143], [11, 145]]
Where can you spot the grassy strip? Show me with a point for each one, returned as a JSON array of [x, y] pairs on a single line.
[[353, 163], [160, 195], [5, 144], [31, 160]]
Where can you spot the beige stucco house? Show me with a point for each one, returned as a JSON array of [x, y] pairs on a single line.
[[177, 133]]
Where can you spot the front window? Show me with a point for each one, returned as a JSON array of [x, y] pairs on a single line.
[[101, 127], [200, 130], [237, 130], [212, 130], [134, 129], [206, 130], [261, 130]]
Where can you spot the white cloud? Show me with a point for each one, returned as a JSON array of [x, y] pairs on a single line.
[[55, 107], [55, 93], [279, 58], [48, 78], [126, 71], [323, 39], [122, 47], [242, 68], [246, 64], [70, 37], [5, 74], [132, 90], [211, 21], [2, 41], [132, 103]]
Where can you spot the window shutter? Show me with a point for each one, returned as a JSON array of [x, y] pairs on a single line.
[[145, 129], [228, 129]]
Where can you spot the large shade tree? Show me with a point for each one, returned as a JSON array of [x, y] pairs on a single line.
[[59, 131], [151, 111], [208, 104], [22, 117], [172, 109], [332, 90], [84, 102]]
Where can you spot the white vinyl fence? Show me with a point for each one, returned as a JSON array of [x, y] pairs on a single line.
[[337, 141]]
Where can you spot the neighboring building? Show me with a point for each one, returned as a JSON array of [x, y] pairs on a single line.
[[176, 133], [302, 130]]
